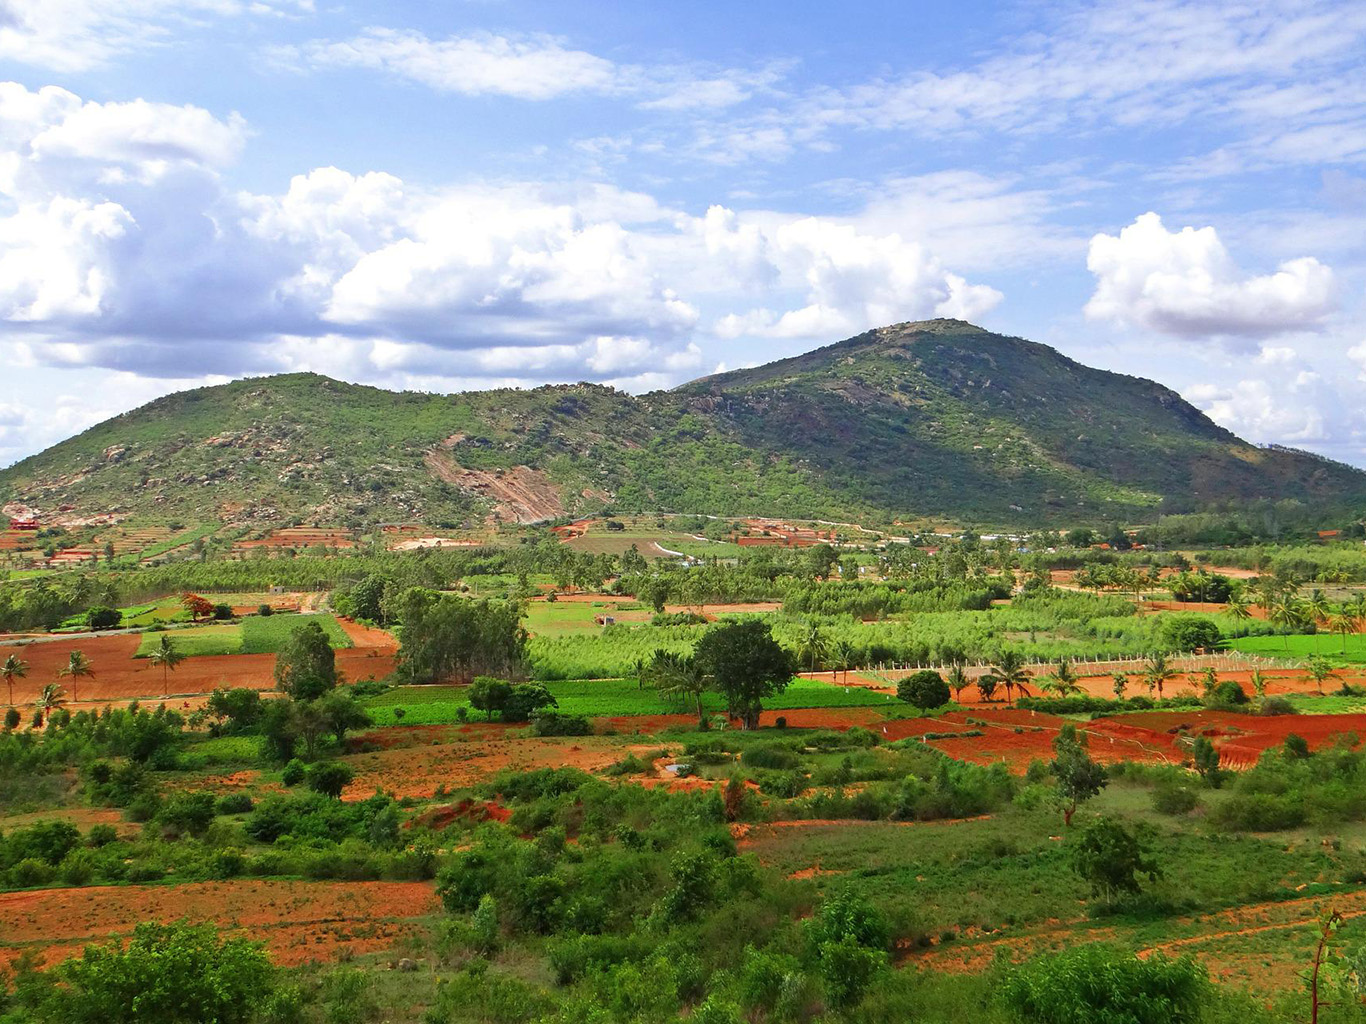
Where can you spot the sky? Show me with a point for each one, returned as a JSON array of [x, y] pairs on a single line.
[[451, 194]]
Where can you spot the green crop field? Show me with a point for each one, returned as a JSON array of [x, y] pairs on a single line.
[[438, 705], [558, 618], [196, 641], [267, 634], [1302, 646]]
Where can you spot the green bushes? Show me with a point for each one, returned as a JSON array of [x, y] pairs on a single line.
[[1097, 982], [925, 689]]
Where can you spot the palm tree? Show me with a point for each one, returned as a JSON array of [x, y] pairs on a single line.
[[1009, 671], [1342, 623], [77, 667], [1317, 609], [1157, 673], [1287, 613], [52, 697], [1209, 680], [14, 668], [1238, 608], [841, 658], [813, 647], [677, 677], [957, 678], [1062, 682], [167, 657], [1319, 670], [1258, 681]]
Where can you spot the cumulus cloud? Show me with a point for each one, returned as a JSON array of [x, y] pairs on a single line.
[[1184, 283]]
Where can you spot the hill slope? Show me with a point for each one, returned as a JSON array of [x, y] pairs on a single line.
[[938, 417]]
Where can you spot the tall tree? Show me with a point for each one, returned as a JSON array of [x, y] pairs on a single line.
[[745, 664], [1009, 670], [77, 667], [166, 657], [1157, 673], [678, 677], [14, 668], [306, 667]]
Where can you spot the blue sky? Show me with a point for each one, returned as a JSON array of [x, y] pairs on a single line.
[[450, 195]]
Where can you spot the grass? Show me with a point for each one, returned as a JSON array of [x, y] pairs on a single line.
[[1302, 646], [196, 641], [559, 618], [439, 705], [268, 634], [256, 634]]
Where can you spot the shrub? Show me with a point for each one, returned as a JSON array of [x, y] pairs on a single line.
[[11, 719], [1227, 694], [264, 610], [222, 612], [233, 803], [103, 618], [1175, 800], [925, 689], [187, 812], [1276, 706], [1096, 982], [101, 835], [330, 777], [770, 756], [1188, 632], [293, 772], [557, 723]]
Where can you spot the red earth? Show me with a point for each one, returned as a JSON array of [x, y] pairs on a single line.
[[298, 921]]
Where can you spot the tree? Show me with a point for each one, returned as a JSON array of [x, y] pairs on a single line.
[[165, 655], [1063, 681], [306, 668], [234, 710], [166, 974], [1258, 681], [745, 664], [841, 657], [14, 667], [77, 667], [51, 698], [341, 713], [677, 677], [1206, 758], [958, 680], [1317, 609], [1111, 858], [329, 778], [925, 689], [489, 695], [1009, 670], [198, 607], [986, 686], [1157, 673], [1121, 684], [1320, 671], [450, 638], [812, 648], [524, 700], [103, 617], [1190, 632], [1078, 777]]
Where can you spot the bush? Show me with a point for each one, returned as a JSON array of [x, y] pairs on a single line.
[[1098, 982], [103, 618], [770, 756], [222, 612], [1175, 800], [1276, 706], [233, 803], [1227, 694], [293, 772], [11, 719], [925, 689], [1188, 632], [187, 813], [556, 723], [265, 610], [330, 777]]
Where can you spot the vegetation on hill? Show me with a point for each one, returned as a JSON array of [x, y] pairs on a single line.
[[937, 418]]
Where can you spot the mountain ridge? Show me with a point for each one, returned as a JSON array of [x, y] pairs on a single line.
[[929, 418]]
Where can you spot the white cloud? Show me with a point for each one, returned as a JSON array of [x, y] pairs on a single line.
[[480, 64], [1184, 283], [54, 261], [77, 35]]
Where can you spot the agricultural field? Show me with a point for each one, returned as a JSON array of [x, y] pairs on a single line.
[[517, 800]]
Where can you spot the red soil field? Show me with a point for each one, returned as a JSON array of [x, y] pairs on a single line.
[[120, 676], [298, 921]]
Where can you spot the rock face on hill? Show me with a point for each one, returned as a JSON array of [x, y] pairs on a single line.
[[932, 418]]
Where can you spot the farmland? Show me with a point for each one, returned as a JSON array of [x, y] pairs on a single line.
[[471, 731]]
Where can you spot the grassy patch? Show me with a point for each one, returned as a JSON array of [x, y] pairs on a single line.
[[1302, 646], [268, 634], [196, 641], [439, 705]]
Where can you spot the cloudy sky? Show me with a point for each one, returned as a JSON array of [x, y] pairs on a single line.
[[473, 193]]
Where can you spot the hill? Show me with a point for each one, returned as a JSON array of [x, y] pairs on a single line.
[[931, 418]]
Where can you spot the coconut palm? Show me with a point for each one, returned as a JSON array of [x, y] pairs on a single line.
[[841, 658], [1287, 613], [14, 668], [677, 677], [1062, 681], [1157, 673], [1009, 671], [1238, 608], [1320, 671], [957, 678], [77, 667], [52, 697], [166, 657], [813, 647], [1317, 609], [1342, 624]]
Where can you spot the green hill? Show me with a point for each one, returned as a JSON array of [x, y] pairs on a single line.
[[932, 418]]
